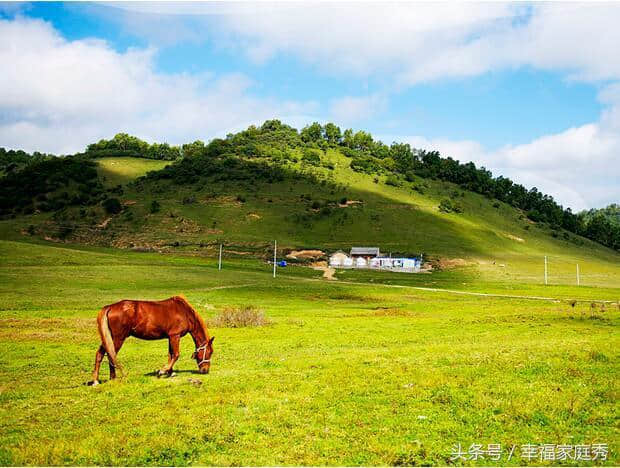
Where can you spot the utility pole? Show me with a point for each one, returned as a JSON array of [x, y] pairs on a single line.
[[275, 249], [219, 265], [545, 270], [578, 274]]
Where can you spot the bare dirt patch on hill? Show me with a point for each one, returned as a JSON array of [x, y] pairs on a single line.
[[305, 254]]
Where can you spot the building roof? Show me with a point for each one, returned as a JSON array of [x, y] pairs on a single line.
[[365, 251]]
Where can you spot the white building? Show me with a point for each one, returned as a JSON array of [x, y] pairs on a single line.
[[369, 257], [340, 259]]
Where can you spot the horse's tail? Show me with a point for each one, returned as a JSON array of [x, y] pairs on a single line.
[[106, 336]]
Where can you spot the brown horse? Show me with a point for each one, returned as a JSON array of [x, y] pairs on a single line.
[[152, 320]]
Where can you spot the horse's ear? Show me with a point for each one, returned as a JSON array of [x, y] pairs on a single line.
[[211, 340]]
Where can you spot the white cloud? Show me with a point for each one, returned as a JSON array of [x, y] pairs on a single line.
[[423, 41], [59, 95], [579, 39], [580, 166], [359, 38], [349, 109]]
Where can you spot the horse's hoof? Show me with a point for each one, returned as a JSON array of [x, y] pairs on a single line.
[[93, 383], [174, 374]]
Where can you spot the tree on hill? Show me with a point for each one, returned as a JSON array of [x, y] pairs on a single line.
[[600, 229], [190, 150], [126, 145], [332, 134], [312, 133], [611, 212]]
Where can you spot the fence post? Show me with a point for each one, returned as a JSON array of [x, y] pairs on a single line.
[[275, 249], [219, 265], [545, 270], [578, 275]]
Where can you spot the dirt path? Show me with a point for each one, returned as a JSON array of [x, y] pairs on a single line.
[[470, 293], [454, 291], [328, 272], [232, 286]]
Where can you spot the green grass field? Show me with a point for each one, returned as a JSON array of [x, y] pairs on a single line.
[[364, 370], [376, 368]]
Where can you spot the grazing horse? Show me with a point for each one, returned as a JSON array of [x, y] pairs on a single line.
[[152, 320]]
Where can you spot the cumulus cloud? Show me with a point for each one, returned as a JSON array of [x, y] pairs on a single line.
[[427, 41], [349, 109], [357, 38], [578, 166], [59, 95]]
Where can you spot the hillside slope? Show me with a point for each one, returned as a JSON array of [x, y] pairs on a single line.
[[280, 191]]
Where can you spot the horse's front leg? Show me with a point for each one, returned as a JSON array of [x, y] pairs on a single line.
[[173, 355]]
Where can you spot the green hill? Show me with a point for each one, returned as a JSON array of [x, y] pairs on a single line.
[[273, 183]]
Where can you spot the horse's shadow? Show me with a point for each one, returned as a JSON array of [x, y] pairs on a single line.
[[182, 371]]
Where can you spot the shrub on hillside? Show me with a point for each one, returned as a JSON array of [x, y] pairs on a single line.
[[112, 205], [367, 165], [326, 211], [238, 317], [351, 153], [311, 156], [449, 206], [155, 206]]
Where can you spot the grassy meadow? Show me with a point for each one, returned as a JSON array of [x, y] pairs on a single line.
[[120, 170], [375, 368], [371, 369]]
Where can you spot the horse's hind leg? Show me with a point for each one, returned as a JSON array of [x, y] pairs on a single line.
[[173, 354], [98, 359], [117, 346]]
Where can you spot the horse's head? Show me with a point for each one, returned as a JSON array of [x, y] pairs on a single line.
[[203, 356]]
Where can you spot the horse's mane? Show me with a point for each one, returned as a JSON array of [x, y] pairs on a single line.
[[197, 316]]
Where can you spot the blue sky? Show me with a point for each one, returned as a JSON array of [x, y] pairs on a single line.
[[528, 90]]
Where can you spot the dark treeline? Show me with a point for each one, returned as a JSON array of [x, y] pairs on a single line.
[[12, 160], [603, 223], [126, 145], [224, 159], [50, 184]]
